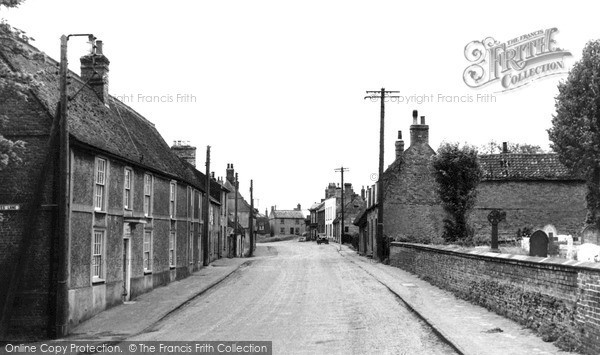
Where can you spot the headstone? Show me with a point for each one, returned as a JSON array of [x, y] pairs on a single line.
[[588, 252], [538, 244], [525, 244], [591, 234], [565, 245]]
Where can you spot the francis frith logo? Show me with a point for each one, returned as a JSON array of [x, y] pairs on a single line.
[[514, 63]]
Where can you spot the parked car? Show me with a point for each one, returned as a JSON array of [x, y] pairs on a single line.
[[302, 239], [321, 239]]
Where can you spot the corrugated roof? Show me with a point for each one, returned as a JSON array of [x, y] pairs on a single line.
[[114, 128], [295, 214], [524, 167]]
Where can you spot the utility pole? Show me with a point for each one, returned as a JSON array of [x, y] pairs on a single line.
[[382, 95], [235, 216], [205, 229], [341, 170], [251, 221]]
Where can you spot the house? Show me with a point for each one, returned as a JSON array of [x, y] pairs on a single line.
[[535, 190], [263, 228], [237, 202], [286, 222], [313, 226], [366, 221], [353, 203], [135, 208]]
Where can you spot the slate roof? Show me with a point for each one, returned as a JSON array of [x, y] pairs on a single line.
[[115, 129], [522, 167], [294, 214]]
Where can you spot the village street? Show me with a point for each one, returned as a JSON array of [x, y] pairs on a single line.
[[306, 298]]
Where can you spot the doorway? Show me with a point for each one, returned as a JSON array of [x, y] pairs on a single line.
[[126, 295]]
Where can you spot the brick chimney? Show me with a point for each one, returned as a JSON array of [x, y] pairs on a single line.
[[299, 208], [419, 133], [504, 147], [362, 193], [348, 192], [399, 145], [94, 71], [185, 151], [230, 173]]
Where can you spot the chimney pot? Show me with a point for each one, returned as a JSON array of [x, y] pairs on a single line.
[[504, 147], [399, 134], [415, 115], [422, 119]]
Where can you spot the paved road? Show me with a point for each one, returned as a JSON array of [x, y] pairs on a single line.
[[306, 298]]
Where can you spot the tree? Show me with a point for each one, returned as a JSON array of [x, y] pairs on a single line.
[[457, 173], [494, 147], [575, 131], [10, 151]]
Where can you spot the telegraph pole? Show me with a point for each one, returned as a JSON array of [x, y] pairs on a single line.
[[251, 219], [341, 170], [205, 229], [382, 95]]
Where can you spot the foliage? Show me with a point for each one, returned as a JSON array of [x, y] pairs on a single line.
[[10, 151], [526, 232], [575, 131], [457, 173], [494, 147]]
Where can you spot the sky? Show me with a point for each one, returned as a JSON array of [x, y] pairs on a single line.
[[277, 87]]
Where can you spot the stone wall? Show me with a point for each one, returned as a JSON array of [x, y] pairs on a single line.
[[558, 299]]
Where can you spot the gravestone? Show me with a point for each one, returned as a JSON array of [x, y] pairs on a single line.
[[495, 217], [538, 244], [591, 234]]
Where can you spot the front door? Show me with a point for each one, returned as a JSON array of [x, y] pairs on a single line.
[[292, 230], [126, 263]]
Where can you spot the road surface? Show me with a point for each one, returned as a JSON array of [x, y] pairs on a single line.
[[307, 299]]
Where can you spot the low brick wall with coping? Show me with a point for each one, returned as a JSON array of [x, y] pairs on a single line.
[[558, 298]]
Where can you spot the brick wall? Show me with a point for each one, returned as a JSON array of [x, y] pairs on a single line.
[[532, 204], [550, 297], [412, 209]]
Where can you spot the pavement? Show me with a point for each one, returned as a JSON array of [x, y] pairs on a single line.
[[467, 328], [132, 318]]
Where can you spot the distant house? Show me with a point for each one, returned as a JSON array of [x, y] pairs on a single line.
[[535, 191], [313, 226], [353, 203], [135, 208], [263, 227], [243, 209], [286, 222]]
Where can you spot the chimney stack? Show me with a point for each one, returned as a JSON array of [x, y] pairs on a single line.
[[399, 145], [419, 133], [94, 71], [362, 193], [298, 208], [504, 147], [230, 174], [185, 151]]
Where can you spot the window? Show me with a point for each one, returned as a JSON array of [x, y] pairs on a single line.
[[172, 260], [282, 230], [127, 202], [147, 251], [346, 229], [282, 221], [172, 204], [192, 195], [100, 185], [97, 256], [297, 222], [148, 195]]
